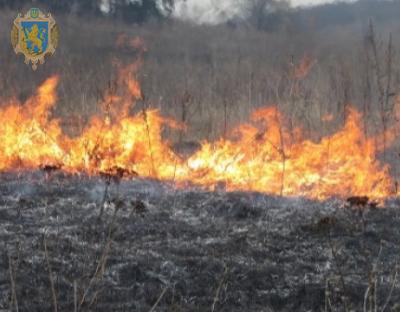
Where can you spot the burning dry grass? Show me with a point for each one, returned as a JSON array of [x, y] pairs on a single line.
[[263, 155], [257, 252], [334, 152]]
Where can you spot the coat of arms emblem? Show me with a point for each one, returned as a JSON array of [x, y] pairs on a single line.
[[35, 35]]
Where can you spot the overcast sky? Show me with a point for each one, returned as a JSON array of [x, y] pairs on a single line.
[[214, 11]]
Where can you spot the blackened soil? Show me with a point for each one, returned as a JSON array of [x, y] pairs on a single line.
[[189, 250]]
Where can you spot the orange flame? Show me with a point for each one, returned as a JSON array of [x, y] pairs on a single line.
[[262, 156], [27, 137], [302, 69], [342, 164]]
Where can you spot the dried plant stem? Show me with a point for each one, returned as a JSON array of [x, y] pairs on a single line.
[[13, 286], [75, 297], [366, 296], [100, 268], [105, 195], [221, 282], [341, 275], [153, 308], [328, 303], [391, 291], [97, 273], [149, 139], [53, 290]]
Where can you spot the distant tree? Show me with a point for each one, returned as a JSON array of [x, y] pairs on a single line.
[[139, 11], [135, 11], [59, 6], [263, 14], [91, 7]]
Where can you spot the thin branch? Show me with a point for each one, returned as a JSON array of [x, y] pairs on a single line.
[[53, 290], [75, 297], [341, 275], [100, 268], [221, 282], [366, 299], [149, 139], [158, 300], [391, 291]]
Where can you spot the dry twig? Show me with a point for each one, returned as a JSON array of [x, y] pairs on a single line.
[[153, 308], [53, 290]]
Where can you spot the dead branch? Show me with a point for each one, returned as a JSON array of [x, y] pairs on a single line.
[[158, 300], [221, 282], [53, 290]]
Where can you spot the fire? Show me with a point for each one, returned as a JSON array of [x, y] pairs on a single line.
[[262, 155], [302, 69], [276, 162], [132, 143], [27, 137]]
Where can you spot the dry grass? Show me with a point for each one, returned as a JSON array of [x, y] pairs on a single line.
[[211, 77]]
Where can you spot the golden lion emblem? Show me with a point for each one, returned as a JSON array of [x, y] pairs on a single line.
[[35, 35]]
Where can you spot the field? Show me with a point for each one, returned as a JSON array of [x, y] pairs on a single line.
[[212, 77], [158, 249], [171, 166]]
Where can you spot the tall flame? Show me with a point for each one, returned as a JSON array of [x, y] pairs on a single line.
[[27, 137], [263, 155], [274, 161]]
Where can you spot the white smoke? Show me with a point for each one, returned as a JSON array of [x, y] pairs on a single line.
[[206, 11], [217, 11], [214, 11]]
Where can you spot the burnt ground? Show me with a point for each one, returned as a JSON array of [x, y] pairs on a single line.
[[189, 250]]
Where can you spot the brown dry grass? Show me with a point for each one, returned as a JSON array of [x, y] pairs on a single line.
[[211, 77]]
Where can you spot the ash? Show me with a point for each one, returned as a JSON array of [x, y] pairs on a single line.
[[81, 244]]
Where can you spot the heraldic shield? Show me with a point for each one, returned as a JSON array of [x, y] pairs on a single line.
[[35, 35]]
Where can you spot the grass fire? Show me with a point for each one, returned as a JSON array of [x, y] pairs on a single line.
[[187, 156], [263, 155]]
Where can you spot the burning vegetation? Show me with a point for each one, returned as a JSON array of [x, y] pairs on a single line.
[[108, 211], [263, 155]]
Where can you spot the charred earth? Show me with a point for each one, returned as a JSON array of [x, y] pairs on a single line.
[[87, 244]]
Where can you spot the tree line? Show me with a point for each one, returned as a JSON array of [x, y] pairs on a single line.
[[265, 15], [134, 11]]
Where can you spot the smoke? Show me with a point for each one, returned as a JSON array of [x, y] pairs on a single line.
[[219, 11], [207, 11], [215, 11]]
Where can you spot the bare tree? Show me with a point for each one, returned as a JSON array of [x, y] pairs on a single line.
[[257, 11]]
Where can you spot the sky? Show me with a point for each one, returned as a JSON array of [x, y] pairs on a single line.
[[215, 11]]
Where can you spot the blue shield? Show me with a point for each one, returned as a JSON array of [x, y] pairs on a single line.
[[35, 36]]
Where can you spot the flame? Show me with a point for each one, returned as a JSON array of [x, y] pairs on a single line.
[[271, 161], [327, 117], [132, 143], [27, 137], [302, 69], [262, 155], [125, 41]]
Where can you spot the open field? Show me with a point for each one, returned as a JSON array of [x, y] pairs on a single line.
[[192, 250], [211, 77], [266, 178]]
